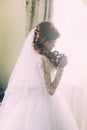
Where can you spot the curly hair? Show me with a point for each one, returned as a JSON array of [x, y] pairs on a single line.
[[45, 31]]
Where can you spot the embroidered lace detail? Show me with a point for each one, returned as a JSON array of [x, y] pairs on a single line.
[[49, 77]]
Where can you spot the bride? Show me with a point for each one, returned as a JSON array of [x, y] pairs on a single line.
[[31, 101]]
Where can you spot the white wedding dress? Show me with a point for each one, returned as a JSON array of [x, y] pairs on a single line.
[[27, 105]]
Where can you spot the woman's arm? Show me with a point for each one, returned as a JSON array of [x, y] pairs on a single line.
[[45, 71], [57, 79]]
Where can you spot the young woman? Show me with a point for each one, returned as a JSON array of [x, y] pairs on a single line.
[[31, 101]]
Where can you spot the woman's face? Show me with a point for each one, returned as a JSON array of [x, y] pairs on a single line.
[[49, 44]]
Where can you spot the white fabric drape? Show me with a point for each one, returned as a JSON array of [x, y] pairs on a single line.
[[70, 17]]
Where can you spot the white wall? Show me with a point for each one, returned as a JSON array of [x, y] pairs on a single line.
[[12, 35]]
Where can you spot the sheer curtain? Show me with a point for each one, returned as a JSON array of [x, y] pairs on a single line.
[[70, 17]]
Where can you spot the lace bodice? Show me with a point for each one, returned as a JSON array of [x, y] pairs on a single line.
[[50, 75]]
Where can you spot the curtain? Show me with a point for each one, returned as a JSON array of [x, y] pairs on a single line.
[[37, 11], [70, 17]]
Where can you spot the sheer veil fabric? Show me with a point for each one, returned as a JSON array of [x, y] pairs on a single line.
[[27, 105], [22, 73]]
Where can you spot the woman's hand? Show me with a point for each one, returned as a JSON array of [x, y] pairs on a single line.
[[62, 61]]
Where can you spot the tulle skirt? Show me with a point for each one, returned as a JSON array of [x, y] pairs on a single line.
[[36, 111]]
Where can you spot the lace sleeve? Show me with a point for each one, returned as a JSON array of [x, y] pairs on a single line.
[[45, 70]]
